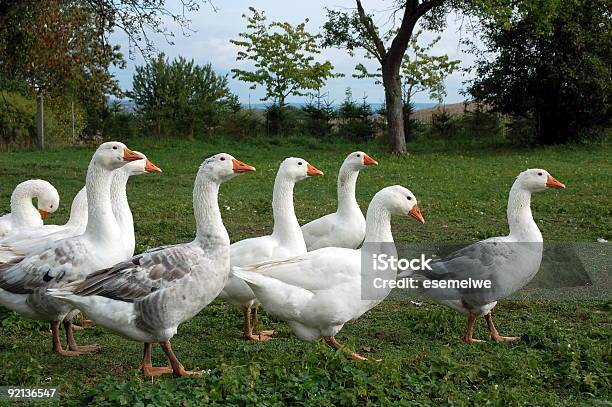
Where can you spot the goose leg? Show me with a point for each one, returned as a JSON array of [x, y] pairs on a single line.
[[495, 336], [147, 365], [263, 335], [469, 332], [57, 343], [72, 345], [247, 332], [177, 367], [331, 341]]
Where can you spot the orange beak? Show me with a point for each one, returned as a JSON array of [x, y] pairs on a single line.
[[129, 155], [415, 212], [312, 171], [239, 167], [43, 214], [367, 160], [150, 167], [552, 182]]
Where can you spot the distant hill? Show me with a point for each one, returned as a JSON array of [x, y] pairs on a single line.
[[374, 106], [128, 105]]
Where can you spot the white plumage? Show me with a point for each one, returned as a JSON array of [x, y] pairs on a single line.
[[345, 227]]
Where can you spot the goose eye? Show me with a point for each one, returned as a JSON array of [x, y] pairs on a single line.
[[299, 163], [358, 155], [222, 158], [51, 206], [540, 174], [114, 147], [409, 198]]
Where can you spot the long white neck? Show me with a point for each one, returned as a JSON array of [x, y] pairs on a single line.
[[78, 210], [121, 208], [520, 220], [101, 223], [22, 208], [347, 182], [286, 225], [211, 232], [378, 241], [378, 222]]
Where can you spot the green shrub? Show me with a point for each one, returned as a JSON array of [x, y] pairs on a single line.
[[482, 124], [245, 123], [286, 120], [444, 125], [58, 122], [319, 113], [17, 121], [355, 119]]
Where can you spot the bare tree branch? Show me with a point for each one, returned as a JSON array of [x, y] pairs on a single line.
[[381, 52]]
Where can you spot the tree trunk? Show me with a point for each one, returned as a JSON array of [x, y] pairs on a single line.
[[395, 114]]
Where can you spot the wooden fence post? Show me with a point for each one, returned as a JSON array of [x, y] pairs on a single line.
[[40, 121]]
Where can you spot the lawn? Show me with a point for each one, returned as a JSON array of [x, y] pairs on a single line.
[[462, 190]]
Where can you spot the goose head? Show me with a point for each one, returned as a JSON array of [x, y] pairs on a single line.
[[297, 169], [359, 160], [536, 180], [223, 167], [113, 155], [142, 166], [48, 200], [400, 201]]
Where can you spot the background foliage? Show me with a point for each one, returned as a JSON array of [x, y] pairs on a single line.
[[179, 97], [558, 78]]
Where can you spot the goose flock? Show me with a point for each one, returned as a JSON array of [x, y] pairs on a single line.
[[311, 276]]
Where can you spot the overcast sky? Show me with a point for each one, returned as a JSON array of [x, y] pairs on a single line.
[[212, 31]]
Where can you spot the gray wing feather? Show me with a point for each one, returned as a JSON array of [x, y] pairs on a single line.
[[141, 275], [479, 261], [56, 265]]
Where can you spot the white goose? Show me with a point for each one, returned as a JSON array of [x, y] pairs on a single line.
[[318, 292], [23, 214], [285, 241], [27, 241], [508, 262], [345, 227], [23, 283], [34, 240], [121, 206], [148, 296]]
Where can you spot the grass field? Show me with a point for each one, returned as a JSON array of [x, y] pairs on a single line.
[[563, 358]]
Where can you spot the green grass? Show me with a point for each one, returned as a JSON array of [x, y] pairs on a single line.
[[462, 190]]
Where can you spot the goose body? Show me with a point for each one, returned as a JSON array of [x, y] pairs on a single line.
[[146, 297], [285, 241], [35, 240], [23, 214], [508, 262], [24, 282], [346, 227], [318, 292]]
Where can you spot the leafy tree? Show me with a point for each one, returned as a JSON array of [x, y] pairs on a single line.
[[559, 77], [420, 72], [356, 29], [62, 48], [180, 96], [283, 55], [55, 47]]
